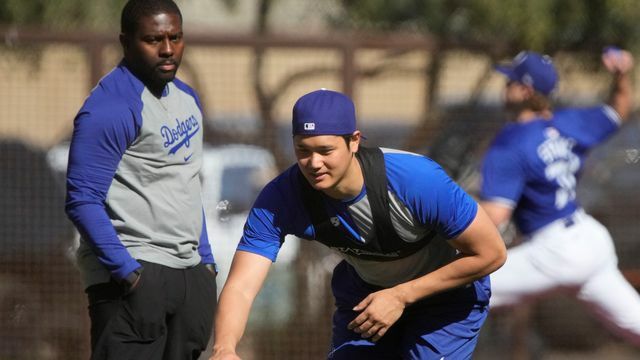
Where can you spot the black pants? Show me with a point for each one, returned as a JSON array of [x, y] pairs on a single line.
[[167, 316]]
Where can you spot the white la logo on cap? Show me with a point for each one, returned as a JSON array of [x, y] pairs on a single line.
[[309, 126]]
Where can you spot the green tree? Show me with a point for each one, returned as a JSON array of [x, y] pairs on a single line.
[[544, 25], [497, 29], [61, 14]]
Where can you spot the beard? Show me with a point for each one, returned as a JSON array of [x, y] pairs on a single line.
[[513, 108], [537, 103]]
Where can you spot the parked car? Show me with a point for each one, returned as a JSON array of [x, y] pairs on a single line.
[[232, 177]]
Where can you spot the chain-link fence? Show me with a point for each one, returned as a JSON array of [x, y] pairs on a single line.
[[248, 86]]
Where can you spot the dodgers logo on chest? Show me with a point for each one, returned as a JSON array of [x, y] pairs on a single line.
[[179, 135]]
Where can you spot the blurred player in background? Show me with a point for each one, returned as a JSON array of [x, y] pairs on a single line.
[[417, 249], [133, 192], [530, 172]]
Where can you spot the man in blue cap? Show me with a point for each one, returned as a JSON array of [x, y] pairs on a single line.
[[530, 172], [417, 249]]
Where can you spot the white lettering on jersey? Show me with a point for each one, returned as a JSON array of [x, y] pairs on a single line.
[[561, 165]]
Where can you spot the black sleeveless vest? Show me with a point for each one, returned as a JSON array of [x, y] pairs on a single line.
[[386, 245]]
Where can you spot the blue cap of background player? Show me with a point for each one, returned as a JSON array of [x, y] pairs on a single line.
[[323, 112], [533, 69]]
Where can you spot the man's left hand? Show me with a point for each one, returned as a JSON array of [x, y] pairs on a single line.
[[211, 268], [379, 311]]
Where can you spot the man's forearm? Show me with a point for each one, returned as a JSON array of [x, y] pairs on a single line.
[[247, 274], [620, 97], [231, 319], [619, 63], [463, 270], [92, 222], [481, 251]]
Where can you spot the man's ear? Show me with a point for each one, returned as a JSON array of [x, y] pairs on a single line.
[[124, 42], [354, 143]]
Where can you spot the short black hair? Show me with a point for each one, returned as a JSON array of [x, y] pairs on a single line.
[[135, 9], [347, 138]]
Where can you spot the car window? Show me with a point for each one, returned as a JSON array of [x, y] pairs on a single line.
[[239, 188]]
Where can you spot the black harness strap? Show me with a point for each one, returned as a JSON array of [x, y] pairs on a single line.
[[375, 181], [315, 207]]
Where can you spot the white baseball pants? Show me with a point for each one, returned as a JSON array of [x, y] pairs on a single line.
[[577, 256]]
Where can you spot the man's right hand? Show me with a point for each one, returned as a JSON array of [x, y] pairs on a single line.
[[224, 354], [617, 60], [247, 274], [132, 280], [619, 63]]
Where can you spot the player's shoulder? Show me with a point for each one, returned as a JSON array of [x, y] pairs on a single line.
[[117, 91], [106, 109], [514, 131], [407, 159], [186, 89], [572, 111], [286, 178], [514, 135], [183, 86], [407, 170], [575, 116], [588, 126], [284, 188]]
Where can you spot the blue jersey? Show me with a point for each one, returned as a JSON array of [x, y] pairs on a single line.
[[422, 198], [133, 186], [533, 167]]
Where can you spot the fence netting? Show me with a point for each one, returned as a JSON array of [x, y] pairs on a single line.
[[43, 310]]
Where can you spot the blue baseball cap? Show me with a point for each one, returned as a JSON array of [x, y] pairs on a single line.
[[323, 112], [533, 69]]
